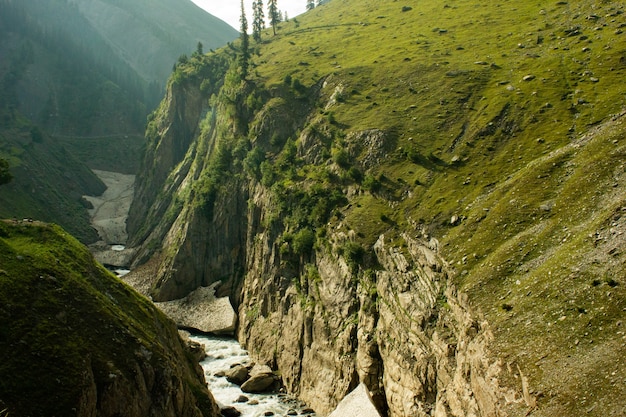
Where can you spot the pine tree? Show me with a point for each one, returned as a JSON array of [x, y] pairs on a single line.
[[274, 14], [310, 4], [5, 172], [244, 59], [258, 21]]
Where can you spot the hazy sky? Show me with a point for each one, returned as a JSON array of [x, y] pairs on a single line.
[[230, 10]]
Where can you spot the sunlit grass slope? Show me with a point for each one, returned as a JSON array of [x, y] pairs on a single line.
[[505, 141], [495, 127]]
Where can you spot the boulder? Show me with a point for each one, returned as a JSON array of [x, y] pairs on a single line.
[[230, 412], [261, 379], [201, 310], [238, 374], [356, 404]]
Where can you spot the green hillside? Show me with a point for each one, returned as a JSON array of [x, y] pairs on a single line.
[[495, 128], [77, 341]]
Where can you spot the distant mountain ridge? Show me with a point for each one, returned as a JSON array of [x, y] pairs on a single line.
[[150, 35], [84, 69]]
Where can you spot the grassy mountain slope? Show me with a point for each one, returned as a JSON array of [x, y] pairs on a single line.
[[509, 118], [49, 181], [77, 341], [496, 128]]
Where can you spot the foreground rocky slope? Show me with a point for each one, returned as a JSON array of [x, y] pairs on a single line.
[[401, 199], [78, 342]]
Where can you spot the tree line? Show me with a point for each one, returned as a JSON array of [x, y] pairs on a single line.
[[310, 4]]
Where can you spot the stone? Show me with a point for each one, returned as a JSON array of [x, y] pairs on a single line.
[[238, 374], [529, 77], [259, 383], [201, 310], [242, 399], [356, 404], [230, 412]]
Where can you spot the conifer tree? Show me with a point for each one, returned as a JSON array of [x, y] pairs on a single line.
[[273, 13], [310, 4], [5, 172], [244, 59], [258, 21]]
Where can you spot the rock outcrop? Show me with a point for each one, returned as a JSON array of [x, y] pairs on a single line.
[[356, 404], [202, 311]]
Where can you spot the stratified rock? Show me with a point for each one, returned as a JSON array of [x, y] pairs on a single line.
[[201, 310], [238, 374], [356, 404]]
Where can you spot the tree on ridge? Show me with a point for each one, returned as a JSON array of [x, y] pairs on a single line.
[[274, 15], [244, 59], [310, 4], [258, 19]]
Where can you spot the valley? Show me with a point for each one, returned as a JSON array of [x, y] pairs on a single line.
[[408, 209]]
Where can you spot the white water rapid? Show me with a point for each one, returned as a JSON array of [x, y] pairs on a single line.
[[221, 355]]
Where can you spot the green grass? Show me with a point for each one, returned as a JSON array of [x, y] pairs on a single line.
[[64, 316], [527, 196]]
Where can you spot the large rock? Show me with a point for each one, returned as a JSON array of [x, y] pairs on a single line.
[[356, 404], [238, 374], [262, 379], [202, 311], [259, 383]]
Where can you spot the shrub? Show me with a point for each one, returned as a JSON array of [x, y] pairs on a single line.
[[303, 242], [371, 184], [340, 157]]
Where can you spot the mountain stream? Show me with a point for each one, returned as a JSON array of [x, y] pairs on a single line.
[[223, 353]]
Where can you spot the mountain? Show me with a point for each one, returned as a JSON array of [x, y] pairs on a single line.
[[426, 197], [76, 341], [77, 81], [151, 35], [87, 68]]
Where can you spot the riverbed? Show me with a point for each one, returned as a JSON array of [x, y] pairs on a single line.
[[222, 353], [108, 216]]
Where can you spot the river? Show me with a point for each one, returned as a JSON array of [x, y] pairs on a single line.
[[222, 353]]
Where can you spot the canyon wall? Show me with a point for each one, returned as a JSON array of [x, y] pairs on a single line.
[[324, 320]]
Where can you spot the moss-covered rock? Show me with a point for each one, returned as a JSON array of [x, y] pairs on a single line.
[[76, 341]]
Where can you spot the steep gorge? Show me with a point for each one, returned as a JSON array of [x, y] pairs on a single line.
[[451, 249]]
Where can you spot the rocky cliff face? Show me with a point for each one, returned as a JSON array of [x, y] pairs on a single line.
[[417, 238], [326, 322]]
